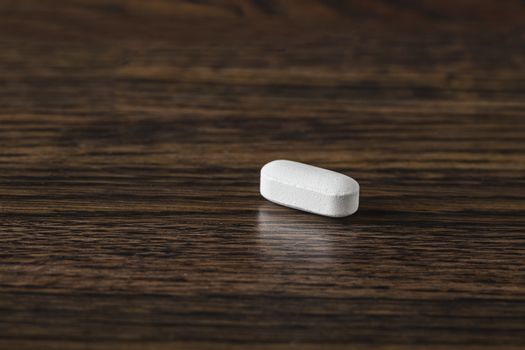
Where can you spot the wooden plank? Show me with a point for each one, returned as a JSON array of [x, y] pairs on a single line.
[[132, 134]]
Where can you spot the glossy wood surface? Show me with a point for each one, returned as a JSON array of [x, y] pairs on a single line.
[[131, 138]]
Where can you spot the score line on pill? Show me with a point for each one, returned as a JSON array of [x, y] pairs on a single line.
[[309, 188]]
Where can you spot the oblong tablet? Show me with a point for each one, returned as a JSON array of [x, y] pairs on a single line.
[[309, 188]]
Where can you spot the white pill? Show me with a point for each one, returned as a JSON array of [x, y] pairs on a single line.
[[309, 188]]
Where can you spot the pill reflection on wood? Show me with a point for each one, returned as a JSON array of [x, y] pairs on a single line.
[[290, 241], [309, 188]]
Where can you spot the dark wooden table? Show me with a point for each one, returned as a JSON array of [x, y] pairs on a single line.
[[131, 138]]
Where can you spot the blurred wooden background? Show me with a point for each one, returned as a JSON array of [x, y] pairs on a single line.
[[132, 134]]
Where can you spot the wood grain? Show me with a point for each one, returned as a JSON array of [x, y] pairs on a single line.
[[131, 138]]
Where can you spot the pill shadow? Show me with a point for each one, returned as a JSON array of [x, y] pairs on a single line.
[[296, 219]]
